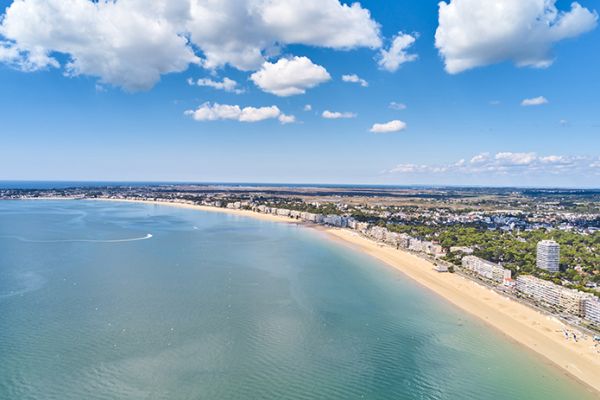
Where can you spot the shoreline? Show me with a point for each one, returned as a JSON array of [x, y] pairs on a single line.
[[540, 333]]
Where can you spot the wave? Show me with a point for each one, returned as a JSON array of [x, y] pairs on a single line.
[[22, 239]]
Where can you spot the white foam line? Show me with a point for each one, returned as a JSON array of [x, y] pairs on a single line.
[[22, 239]]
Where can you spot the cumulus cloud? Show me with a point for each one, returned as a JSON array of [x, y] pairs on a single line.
[[337, 115], [553, 159], [286, 119], [289, 76], [505, 163], [227, 84], [215, 112], [516, 158], [408, 169], [242, 33], [124, 43], [397, 54], [353, 78], [131, 43], [307, 107], [397, 106], [479, 158], [388, 127], [474, 33], [535, 101]]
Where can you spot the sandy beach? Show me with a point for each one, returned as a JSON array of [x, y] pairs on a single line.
[[541, 333]]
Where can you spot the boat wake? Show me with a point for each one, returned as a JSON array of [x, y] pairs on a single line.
[[26, 240]]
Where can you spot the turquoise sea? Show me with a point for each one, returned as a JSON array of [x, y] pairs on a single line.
[[106, 300]]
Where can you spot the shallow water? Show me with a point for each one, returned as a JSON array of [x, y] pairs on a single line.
[[215, 306]]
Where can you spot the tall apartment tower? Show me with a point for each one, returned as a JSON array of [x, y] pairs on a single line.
[[548, 255]]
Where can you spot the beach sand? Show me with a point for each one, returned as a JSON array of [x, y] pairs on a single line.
[[541, 333]]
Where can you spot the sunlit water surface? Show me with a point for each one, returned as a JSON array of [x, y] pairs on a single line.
[[103, 300]]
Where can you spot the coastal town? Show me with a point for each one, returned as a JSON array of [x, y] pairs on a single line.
[[419, 221]]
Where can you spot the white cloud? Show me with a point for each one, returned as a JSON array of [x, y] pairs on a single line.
[[131, 43], [227, 84], [353, 78], [307, 107], [408, 169], [337, 115], [553, 159], [506, 163], [388, 127], [479, 158], [397, 54], [215, 112], [289, 76], [535, 101], [474, 33], [286, 119], [515, 158], [242, 32], [9, 54], [124, 43], [397, 106]]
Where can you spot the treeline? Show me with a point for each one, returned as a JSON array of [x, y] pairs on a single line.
[[517, 250]]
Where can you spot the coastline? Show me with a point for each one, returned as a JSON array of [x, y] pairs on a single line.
[[538, 332]]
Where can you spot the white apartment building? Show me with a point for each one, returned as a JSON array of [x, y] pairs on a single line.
[[352, 223], [486, 269], [563, 299], [433, 249], [236, 205], [397, 239], [378, 233], [538, 289], [592, 309], [316, 218], [548, 255], [461, 249], [415, 244], [362, 226], [336, 220]]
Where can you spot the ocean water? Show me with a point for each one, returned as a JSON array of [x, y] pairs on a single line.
[[106, 300]]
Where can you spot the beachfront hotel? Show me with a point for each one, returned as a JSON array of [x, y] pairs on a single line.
[[486, 269], [548, 255]]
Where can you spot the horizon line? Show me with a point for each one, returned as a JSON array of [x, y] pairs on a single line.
[[290, 184]]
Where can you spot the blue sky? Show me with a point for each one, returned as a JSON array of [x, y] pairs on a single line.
[[105, 118]]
